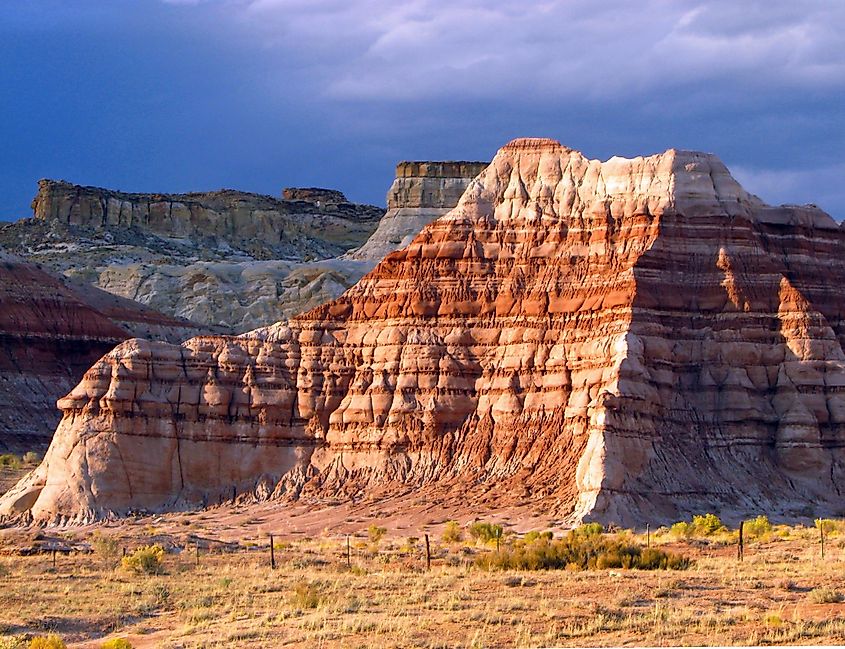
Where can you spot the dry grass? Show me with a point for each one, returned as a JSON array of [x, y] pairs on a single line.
[[386, 599]]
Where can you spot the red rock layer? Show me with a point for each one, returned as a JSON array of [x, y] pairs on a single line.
[[48, 338], [629, 340], [50, 334]]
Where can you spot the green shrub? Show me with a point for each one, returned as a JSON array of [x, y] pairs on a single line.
[[532, 536], [12, 642], [825, 595], [376, 533], [707, 525], [757, 527], [829, 525], [681, 530], [452, 532], [485, 532], [10, 461], [105, 547], [116, 643], [579, 552], [701, 525], [51, 641], [146, 560], [410, 545], [589, 529]]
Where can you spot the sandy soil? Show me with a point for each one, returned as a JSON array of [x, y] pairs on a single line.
[[228, 596]]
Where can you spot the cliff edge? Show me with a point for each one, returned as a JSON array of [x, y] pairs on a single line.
[[627, 341]]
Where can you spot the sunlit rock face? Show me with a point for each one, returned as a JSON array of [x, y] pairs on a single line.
[[231, 259], [421, 192], [222, 259], [246, 294], [628, 341]]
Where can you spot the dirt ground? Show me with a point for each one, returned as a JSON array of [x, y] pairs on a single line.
[[10, 475], [227, 595]]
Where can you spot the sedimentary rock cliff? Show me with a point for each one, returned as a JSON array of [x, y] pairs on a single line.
[[51, 332], [227, 258], [629, 340], [421, 192], [260, 226], [213, 285], [319, 196]]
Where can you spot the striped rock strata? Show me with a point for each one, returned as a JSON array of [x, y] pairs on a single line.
[[260, 226], [421, 192], [51, 331], [247, 294], [629, 341]]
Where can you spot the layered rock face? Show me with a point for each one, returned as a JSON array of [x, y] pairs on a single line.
[[260, 226], [51, 333], [227, 259], [239, 295], [629, 341], [213, 284], [421, 192]]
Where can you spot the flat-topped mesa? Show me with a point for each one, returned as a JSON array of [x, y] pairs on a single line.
[[319, 196], [261, 226], [431, 185], [422, 191], [629, 341]]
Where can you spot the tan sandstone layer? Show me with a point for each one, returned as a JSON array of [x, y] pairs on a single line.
[[628, 341], [421, 192], [260, 226], [198, 280]]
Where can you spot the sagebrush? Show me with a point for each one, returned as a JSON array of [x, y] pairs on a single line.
[[147, 560], [580, 552]]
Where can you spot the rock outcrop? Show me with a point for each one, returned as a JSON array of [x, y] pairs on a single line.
[[422, 191], [217, 282], [319, 196], [51, 333], [629, 341], [259, 226]]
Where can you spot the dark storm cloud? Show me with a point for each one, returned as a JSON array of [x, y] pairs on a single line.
[[259, 93], [421, 49]]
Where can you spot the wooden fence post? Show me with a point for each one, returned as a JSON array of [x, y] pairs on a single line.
[[348, 552], [272, 554], [427, 554], [740, 548], [198, 553], [648, 535], [54, 558], [821, 536]]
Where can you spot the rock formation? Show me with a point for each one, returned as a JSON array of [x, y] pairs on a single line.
[[630, 341], [422, 191], [51, 333], [319, 196], [259, 226], [220, 283]]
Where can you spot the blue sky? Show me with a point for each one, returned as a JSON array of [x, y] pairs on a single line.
[[183, 95]]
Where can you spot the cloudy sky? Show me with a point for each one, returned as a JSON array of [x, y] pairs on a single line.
[[182, 95]]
